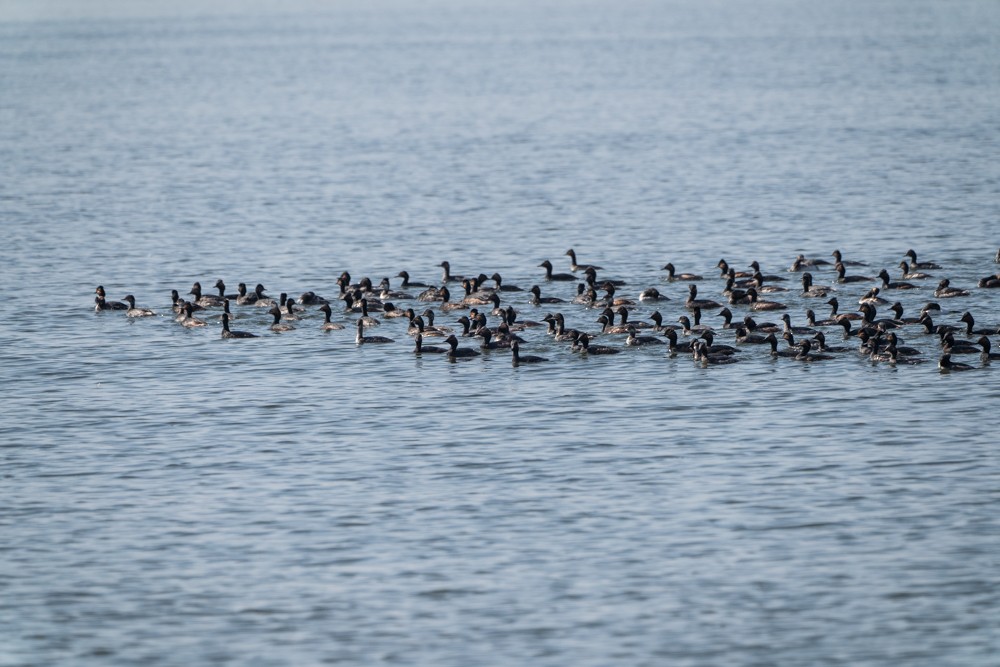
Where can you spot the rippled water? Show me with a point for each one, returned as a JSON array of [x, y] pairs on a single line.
[[172, 498]]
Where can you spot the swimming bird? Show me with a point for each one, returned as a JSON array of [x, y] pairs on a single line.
[[518, 359], [909, 274], [245, 298], [537, 298], [990, 282], [587, 348], [634, 340], [103, 303], [836, 254], [775, 352], [456, 352], [745, 337], [327, 324], [723, 266], [446, 275], [672, 275], [805, 353], [787, 320], [362, 339], [136, 312], [652, 294], [205, 300], [278, 326], [970, 322], [813, 322], [311, 299], [189, 320], [919, 265], [886, 284], [835, 306], [227, 333], [407, 283], [262, 300], [759, 304], [801, 262], [709, 339], [808, 289], [986, 355], [945, 291], [842, 276], [694, 302], [704, 356], [420, 348], [573, 266], [946, 364], [820, 340], [500, 287], [755, 265], [547, 265]]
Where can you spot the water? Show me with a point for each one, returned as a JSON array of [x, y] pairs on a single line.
[[171, 498]]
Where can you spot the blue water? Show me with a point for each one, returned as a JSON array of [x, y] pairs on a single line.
[[169, 498]]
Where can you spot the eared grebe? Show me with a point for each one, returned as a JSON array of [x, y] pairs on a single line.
[[547, 265], [189, 320], [887, 284], [573, 266], [909, 274], [808, 289], [840, 260], [517, 358], [456, 352], [205, 300], [842, 276], [946, 364], [136, 312], [446, 275], [362, 339], [407, 283], [946, 291], [420, 348], [672, 275], [919, 265], [694, 302], [759, 304], [587, 348], [327, 324], [279, 326], [227, 333], [103, 303]]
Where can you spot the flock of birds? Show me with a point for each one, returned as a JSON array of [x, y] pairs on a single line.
[[476, 299]]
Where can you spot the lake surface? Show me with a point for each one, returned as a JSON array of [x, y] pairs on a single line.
[[171, 498]]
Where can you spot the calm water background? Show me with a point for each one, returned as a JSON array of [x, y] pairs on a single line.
[[171, 498]]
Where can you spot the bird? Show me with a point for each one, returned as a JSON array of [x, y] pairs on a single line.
[[518, 359], [946, 291], [420, 348], [886, 284], [362, 339], [278, 326], [808, 289], [456, 352], [327, 324], [919, 265], [136, 312], [547, 265], [946, 364], [227, 333], [672, 275], [446, 275], [573, 266], [694, 302], [104, 304]]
